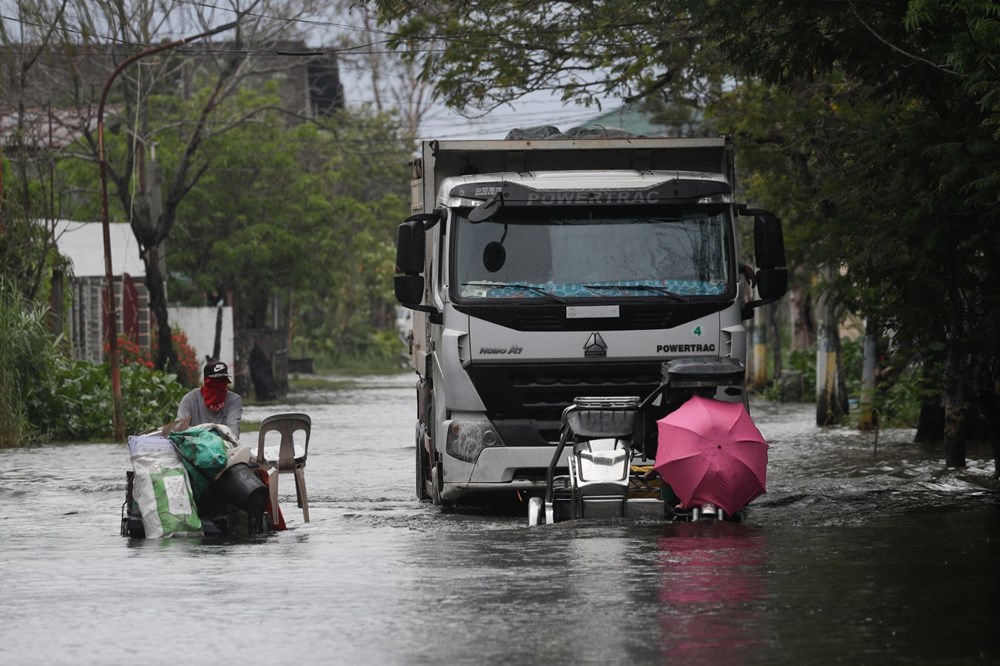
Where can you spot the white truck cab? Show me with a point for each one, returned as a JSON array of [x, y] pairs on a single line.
[[544, 270]]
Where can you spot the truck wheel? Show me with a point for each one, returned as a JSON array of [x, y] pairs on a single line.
[[421, 462], [447, 506]]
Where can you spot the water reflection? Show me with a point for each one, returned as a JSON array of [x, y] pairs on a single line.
[[712, 580]]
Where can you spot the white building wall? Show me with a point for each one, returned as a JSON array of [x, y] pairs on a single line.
[[199, 326]]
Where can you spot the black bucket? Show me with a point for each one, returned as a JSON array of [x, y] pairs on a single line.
[[243, 488]]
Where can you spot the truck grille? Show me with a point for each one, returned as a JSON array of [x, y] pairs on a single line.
[[541, 392]]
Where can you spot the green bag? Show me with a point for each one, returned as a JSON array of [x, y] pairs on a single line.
[[204, 454], [174, 503]]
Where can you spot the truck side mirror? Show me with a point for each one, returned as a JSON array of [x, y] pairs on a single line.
[[408, 283], [410, 247], [769, 255], [768, 241]]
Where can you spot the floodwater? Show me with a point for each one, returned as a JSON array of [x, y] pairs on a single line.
[[857, 554]]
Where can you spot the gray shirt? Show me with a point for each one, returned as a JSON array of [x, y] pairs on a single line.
[[193, 405]]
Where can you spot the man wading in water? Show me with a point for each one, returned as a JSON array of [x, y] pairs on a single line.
[[213, 402]]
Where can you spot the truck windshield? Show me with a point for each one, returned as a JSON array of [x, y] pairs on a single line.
[[678, 253]]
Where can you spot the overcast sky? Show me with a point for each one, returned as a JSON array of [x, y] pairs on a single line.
[[322, 32], [543, 108]]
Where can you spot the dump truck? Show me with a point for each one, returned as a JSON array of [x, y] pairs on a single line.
[[541, 268]]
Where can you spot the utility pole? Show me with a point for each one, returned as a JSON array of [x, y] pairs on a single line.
[[118, 412]]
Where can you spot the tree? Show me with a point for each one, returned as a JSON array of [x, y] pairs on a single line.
[[86, 39], [246, 227], [365, 173], [27, 159], [489, 53], [388, 82], [306, 211], [859, 118], [916, 98]]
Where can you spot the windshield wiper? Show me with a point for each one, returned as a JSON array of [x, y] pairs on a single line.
[[662, 291], [515, 285]]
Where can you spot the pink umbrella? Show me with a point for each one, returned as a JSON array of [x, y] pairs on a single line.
[[710, 452]]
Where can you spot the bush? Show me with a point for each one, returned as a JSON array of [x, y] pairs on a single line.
[[76, 405], [897, 401], [130, 352], [26, 356], [804, 361], [380, 352], [150, 397], [188, 368]]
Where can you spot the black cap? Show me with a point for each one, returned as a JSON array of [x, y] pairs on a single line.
[[216, 369]]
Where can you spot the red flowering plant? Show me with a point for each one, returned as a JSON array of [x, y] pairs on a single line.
[[130, 352], [188, 367]]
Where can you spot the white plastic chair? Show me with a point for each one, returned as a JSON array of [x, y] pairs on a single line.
[[288, 458]]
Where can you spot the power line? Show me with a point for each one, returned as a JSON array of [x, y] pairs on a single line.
[[535, 30], [214, 50], [314, 22], [197, 51], [482, 38]]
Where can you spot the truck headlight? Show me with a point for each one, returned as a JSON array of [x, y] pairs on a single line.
[[467, 439]]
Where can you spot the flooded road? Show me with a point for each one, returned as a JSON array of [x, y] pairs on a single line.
[[853, 555]]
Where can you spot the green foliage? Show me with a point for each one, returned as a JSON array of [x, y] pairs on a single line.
[[898, 404], [484, 54], [804, 361], [256, 203], [45, 395], [897, 395], [189, 368], [882, 160], [150, 397], [873, 129], [75, 403], [246, 226], [27, 256], [309, 210], [851, 361], [381, 351], [26, 357]]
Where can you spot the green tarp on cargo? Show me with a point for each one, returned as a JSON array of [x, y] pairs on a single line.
[[204, 455]]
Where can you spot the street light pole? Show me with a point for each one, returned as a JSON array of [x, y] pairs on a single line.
[[117, 415]]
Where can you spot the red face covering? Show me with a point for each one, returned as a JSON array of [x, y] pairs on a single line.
[[214, 392]]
